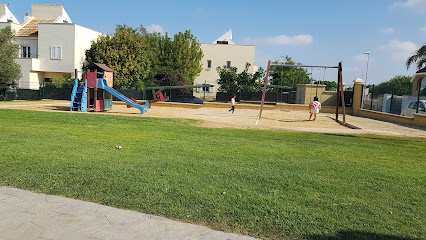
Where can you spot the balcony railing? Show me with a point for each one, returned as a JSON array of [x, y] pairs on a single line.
[[28, 56]]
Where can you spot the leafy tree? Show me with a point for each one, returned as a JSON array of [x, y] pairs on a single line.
[[329, 85], [9, 50], [139, 58], [400, 85], [180, 56], [418, 58], [289, 76], [125, 53], [232, 82]]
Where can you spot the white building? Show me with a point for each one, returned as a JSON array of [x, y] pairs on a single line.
[[50, 44], [222, 52]]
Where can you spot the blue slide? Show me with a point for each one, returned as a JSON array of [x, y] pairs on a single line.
[[102, 84]]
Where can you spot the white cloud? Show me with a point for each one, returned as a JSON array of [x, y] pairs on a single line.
[[398, 50], [155, 28], [418, 5], [387, 30], [282, 40], [423, 29]]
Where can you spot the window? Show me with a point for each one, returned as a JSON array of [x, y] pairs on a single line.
[[411, 105], [56, 52], [421, 107], [26, 52], [228, 64], [207, 89], [209, 63]]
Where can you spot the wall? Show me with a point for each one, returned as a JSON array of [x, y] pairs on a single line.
[[56, 34], [15, 27], [417, 120], [219, 54], [307, 92], [47, 11], [28, 41], [83, 40], [29, 78]]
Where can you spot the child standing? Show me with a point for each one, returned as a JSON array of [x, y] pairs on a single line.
[[314, 107], [232, 104]]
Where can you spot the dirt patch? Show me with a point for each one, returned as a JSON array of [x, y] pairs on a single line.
[[220, 117]]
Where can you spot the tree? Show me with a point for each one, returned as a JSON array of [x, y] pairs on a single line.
[[139, 58], [9, 50], [125, 53], [232, 82], [180, 56], [399, 85], [329, 85], [418, 58], [289, 76]]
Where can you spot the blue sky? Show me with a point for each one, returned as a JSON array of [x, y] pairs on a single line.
[[311, 32]]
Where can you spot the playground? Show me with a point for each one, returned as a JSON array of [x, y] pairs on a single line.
[[217, 116]]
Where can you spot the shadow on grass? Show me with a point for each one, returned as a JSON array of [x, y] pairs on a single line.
[[358, 235]]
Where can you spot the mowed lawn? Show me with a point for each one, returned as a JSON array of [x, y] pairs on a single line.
[[268, 184]]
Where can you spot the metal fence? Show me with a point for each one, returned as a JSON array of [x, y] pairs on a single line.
[[278, 97], [393, 98]]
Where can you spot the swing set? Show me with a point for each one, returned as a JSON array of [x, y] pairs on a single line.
[[340, 90]]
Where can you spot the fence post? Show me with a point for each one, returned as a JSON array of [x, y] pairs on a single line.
[[390, 110], [357, 95], [418, 95], [372, 97]]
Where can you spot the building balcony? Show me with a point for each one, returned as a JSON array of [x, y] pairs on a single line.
[[29, 64], [24, 56]]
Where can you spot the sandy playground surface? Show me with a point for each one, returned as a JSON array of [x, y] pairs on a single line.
[[219, 117]]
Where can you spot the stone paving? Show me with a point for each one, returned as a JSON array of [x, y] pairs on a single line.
[[25, 215]]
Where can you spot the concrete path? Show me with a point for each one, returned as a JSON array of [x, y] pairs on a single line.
[[27, 215]]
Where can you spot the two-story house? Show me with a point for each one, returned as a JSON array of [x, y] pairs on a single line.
[[50, 44], [222, 52]]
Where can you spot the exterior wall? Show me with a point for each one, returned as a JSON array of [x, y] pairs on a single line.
[[29, 78], [417, 119], [6, 15], [56, 34], [83, 40], [28, 41], [47, 11], [15, 27], [219, 54], [306, 92]]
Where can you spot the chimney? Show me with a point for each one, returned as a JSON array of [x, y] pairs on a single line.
[[27, 16]]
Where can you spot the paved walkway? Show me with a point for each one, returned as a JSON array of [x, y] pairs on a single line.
[[27, 215]]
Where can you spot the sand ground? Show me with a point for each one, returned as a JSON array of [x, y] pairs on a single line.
[[219, 117]]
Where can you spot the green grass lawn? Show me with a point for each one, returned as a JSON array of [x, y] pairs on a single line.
[[268, 184]]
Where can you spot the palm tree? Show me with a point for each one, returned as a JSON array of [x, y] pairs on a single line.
[[419, 57]]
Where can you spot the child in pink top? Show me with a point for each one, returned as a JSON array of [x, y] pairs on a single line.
[[314, 107]]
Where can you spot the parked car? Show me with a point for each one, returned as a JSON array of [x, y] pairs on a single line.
[[410, 109]]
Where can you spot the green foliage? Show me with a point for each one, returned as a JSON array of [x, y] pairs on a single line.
[[418, 58], [399, 85], [232, 82], [276, 187], [329, 85], [66, 81], [289, 76], [137, 57], [9, 50], [125, 53]]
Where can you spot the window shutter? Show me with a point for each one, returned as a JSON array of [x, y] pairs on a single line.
[[52, 52], [59, 52]]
